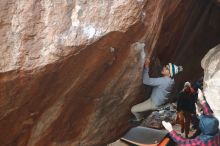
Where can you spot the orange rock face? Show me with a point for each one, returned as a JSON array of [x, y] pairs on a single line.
[[70, 71]]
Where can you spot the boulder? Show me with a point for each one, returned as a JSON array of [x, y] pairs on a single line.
[[211, 65], [71, 70]]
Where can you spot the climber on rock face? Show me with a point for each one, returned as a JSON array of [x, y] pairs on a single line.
[[208, 125], [162, 86]]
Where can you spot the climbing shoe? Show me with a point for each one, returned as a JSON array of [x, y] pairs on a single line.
[[135, 121]]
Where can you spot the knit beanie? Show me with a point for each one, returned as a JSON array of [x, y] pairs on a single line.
[[174, 69], [187, 84], [208, 126]]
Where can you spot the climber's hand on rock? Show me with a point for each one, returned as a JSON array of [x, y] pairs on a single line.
[[167, 126], [201, 96], [147, 62]]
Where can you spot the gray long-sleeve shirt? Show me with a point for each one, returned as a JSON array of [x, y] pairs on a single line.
[[162, 86]]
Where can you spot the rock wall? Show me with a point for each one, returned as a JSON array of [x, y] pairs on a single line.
[[67, 68], [71, 70], [211, 65], [187, 40]]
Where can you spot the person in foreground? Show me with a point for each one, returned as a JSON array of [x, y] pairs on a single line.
[[208, 124]]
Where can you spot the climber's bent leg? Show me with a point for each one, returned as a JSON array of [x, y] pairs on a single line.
[[142, 107]]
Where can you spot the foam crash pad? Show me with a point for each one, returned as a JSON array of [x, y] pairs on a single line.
[[143, 136]]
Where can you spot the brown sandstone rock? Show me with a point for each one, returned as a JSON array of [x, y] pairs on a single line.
[[67, 69]]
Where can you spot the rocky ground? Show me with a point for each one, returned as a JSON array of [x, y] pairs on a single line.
[[176, 127], [167, 113]]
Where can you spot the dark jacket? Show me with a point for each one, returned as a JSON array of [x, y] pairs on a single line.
[[186, 101]]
